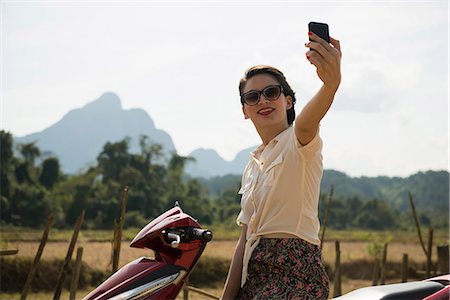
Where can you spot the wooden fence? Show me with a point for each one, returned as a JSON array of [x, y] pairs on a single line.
[[379, 266]]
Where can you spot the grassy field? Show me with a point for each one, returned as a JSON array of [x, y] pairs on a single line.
[[97, 254], [11, 234], [97, 250]]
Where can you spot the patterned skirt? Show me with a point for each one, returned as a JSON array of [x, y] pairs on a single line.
[[282, 268]]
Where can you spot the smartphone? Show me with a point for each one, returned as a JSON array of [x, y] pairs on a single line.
[[321, 29]]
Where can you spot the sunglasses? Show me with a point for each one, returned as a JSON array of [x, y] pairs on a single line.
[[271, 93]]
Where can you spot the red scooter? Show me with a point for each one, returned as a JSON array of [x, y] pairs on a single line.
[[436, 288], [177, 240]]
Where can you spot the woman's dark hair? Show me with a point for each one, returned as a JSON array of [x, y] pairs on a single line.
[[278, 76]]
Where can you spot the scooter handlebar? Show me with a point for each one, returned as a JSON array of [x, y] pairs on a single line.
[[204, 235]]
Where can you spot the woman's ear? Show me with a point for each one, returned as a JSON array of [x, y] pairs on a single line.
[[245, 112], [288, 102]]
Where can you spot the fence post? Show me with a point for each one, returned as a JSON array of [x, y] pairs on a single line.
[[119, 227], [202, 292], [9, 252], [76, 274], [325, 222], [30, 276], [405, 268], [443, 258], [413, 207], [186, 289], [383, 265], [429, 250], [65, 267], [337, 272], [375, 271]]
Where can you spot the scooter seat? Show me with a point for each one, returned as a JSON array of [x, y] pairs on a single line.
[[407, 291]]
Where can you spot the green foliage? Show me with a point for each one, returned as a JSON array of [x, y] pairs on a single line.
[[6, 163], [50, 172], [29, 206], [30, 192], [30, 152], [375, 214], [430, 191], [376, 245]]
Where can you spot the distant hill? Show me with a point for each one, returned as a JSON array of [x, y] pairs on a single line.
[[430, 189], [79, 136], [209, 163]]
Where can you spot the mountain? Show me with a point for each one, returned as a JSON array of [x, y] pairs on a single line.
[[78, 138], [209, 163], [430, 190]]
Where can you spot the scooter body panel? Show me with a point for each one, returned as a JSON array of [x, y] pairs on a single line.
[[136, 273], [436, 288]]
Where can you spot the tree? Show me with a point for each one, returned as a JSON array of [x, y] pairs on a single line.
[[50, 173], [25, 171], [30, 152], [375, 214], [113, 158], [149, 151], [79, 203], [6, 162], [23, 174], [176, 189], [30, 205]]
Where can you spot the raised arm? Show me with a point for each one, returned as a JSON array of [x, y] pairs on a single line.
[[327, 60]]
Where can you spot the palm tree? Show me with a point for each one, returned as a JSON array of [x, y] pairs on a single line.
[[29, 152]]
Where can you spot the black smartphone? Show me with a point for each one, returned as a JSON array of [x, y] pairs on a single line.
[[321, 29]]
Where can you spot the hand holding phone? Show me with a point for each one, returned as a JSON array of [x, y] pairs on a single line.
[[326, 57], [320, 29]]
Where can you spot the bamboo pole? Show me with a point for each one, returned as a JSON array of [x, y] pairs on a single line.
[[76, 274], [65, 267], [429, 250], [443, 254], [202, 292], [413, 207], [405, 268], [375, 271], [114, 246], [337, 291], [30, 276], [186, 288], [383, 265], [327, 214], [123, 207], [9, 252]]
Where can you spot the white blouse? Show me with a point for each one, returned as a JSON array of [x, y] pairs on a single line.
[[280, 191]]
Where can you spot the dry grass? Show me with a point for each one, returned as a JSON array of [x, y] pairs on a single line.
[[351, 251], [97, 255]]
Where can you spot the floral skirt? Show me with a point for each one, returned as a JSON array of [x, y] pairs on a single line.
[[282, 268]]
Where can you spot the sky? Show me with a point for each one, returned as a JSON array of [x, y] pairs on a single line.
[[181, 61]]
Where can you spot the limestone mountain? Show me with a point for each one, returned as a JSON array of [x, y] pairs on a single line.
[[209, 163], [78, 138]]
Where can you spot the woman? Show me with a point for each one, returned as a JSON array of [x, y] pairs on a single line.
[[277, 255]]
